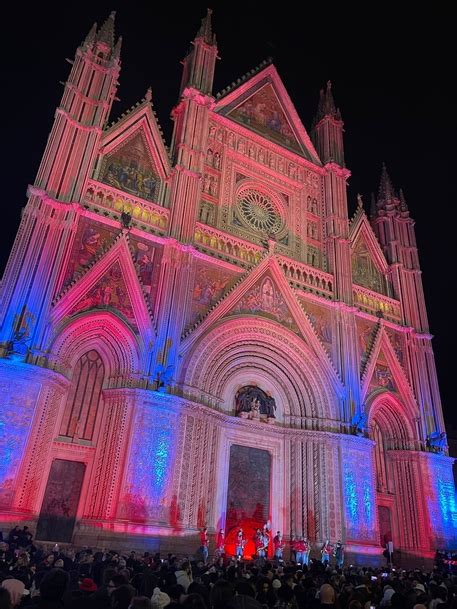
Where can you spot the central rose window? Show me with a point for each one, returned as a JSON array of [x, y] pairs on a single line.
[[258, 211]]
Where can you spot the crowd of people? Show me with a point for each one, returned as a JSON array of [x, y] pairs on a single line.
[[52, 578]]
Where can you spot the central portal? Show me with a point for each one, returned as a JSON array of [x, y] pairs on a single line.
[[248, 495]]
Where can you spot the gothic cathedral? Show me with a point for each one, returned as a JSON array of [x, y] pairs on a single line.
[[200, 335]]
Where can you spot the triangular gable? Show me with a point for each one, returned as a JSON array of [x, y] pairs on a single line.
[[361, 232], [320, 318], [266, 293], [110, 285], [133, 155], [384, 372], [369, 265], [211, 283], [262, 104], [367, 331]]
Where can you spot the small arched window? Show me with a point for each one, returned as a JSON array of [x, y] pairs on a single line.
[[84, 398]]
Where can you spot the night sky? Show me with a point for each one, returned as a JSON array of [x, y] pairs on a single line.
[[392, 75]]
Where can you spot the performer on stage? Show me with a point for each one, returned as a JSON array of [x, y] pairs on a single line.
[[259, 544], [339, 554], [239, 544], [279, 545], [299, 550], [204, 544], [326, 552], [293, 548], [266, 537], [306, 551], [220, 544]]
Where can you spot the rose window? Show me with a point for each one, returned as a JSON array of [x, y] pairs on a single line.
[[258, 211]]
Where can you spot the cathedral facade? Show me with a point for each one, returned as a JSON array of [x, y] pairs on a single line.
[[201, 335]]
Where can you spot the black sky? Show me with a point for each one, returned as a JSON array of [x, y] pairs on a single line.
[[393, 79]]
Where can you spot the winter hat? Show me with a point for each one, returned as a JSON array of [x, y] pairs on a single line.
[[327, 594], [276, 584], [16, 588], [419, 587], [88, 585], [388, 593], [159, 599]]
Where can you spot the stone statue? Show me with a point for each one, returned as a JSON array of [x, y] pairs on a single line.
[[253, 403], [359, 423], [437, 442], [164, 376]]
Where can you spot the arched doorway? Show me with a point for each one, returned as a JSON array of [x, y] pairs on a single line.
[[393, 434]]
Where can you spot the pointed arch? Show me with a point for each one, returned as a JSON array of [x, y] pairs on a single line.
[[238, 351], [105, 333], [393, 418]]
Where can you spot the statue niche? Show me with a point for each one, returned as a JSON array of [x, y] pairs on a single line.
[[253, 403]]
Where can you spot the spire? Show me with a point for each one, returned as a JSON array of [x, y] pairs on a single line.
[[200, 62], [327, 129], [373, 206], [106, 33], [403, 205], [205, 30], [117, 48], [327, 105], [90, 38], [386, 190]]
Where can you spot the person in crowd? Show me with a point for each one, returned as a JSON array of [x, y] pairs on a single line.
[[204, 543]]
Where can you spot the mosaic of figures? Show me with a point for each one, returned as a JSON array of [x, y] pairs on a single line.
[[263, 113], [91, 239], [382, 376], [264, 299], [365, 333], [146, 259], [321, 318], [262, 155], [130, 169], [110, 292], [398, 344], [211, 283], [364, 270]]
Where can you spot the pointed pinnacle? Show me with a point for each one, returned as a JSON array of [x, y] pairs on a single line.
[[148, 95], [117, 48], [386, 190], [359, 201], [205, 30], [326, 105], [106, 33], [373, 212], [403, 204], [91, 35]]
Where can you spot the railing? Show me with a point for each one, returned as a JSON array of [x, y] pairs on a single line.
[[307, 277], [145, 213], [228, 246], [374, 303]]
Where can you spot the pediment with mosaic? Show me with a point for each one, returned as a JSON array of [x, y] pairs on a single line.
[[130, 168], [265, 299], [364, 269], [262, 112]]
